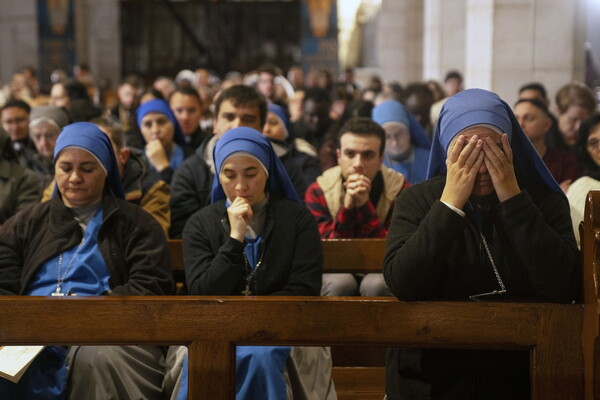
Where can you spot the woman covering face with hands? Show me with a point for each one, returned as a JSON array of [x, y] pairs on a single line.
[[490, 223], [256, 238]]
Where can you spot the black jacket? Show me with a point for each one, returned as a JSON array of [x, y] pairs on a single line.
[[292, 254], [435, 254], [132, 244], [190, 190]]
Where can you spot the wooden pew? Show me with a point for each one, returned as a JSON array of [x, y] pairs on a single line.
[[211, 326], [340, 255], [590, 249], [358, 371], [561, 338]]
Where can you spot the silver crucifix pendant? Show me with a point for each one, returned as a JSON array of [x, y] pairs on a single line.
[[57, 293]]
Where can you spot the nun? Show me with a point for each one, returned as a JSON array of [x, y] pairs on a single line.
[[85, 241], [256, 238], [165, 147], [406, 144], [490, 223]]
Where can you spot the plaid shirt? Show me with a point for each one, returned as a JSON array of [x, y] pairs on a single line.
[[360, 222]]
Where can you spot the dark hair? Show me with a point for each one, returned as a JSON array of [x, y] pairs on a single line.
[[362, 126], [317, 95], [536, 102], [132, 80], [268, 69], [538, 87], [17, 103], [419, 89], [453, 75], [246, 96], [589, 167], [116, 131], [75, 90], [187, 91]]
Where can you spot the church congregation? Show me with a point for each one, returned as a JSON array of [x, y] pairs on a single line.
[[250, 172]]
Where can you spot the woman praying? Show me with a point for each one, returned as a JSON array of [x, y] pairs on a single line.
[[490, 223]]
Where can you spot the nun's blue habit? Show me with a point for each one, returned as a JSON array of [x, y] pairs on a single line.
[[46, 378], [259, 370], [414, 165]]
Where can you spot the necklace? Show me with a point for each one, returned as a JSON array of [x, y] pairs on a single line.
[[489, 254], [247, 291], [61, 276], [483, 206]]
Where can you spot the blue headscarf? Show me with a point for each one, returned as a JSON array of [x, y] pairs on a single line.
[[89, 137], [480, 107], [284, 118], [394, 111], [160, 106], [251, 141]]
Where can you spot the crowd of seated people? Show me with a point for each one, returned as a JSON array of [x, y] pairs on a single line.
[[252, 168]]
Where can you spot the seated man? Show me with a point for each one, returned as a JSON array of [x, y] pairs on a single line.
[[15, 121], [256, 238], [187, 107], [354, 200], [490, 224], [86, 241], [19, 186]]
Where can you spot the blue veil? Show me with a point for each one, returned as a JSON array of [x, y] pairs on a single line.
[[251, 141], [394, 111], [476, 107], [89, 137], [160, 106]]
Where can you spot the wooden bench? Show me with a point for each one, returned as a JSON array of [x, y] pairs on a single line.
[[561, 338], [211, 326], [339, 255], [359, 372]]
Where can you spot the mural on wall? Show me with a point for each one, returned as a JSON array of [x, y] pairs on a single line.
[[319, 35], [56, 37]]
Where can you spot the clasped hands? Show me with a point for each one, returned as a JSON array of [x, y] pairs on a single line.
[[239, 214], [357, 190], [464, 162]]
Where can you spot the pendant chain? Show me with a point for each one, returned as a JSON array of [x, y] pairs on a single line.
[[489, 254], [62, 275], [251, 274]]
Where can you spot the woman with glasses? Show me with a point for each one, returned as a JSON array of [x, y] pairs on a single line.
[[490, 223], [588, 156]]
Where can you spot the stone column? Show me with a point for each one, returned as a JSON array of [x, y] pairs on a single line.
[[443, 37], [400, 40], [103, 40], [509, 43], [18, 37]]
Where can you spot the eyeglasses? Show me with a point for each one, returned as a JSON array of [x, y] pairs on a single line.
[[593, 144]]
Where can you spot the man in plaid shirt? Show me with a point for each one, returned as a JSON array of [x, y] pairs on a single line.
[[355, 199]]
